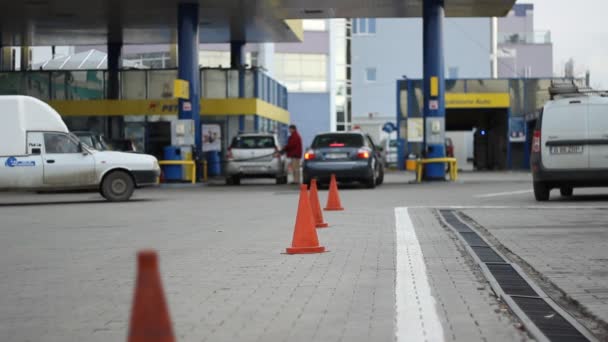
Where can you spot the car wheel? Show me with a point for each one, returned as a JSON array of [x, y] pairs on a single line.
[[380, 179], [229, 180], [371, 182], [280, 180], [566, 191], [541, 191], [118, 186], [236, 180]]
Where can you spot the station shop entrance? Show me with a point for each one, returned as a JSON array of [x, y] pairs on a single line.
[[480, 137]]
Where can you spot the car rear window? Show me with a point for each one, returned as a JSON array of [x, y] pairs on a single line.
[[253, 142], [338, 140]]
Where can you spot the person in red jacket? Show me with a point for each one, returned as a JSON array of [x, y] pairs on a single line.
[[293, 150]]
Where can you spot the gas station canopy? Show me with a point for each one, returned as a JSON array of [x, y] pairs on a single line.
[[93, 22]]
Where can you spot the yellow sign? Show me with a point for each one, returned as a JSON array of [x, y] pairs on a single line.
[[181, 89], [209, 107], [434, 86], [477, 100]]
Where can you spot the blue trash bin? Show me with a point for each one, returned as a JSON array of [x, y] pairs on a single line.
[[214, 164], [172, 172]]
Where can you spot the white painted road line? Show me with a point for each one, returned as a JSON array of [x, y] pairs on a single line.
[[417, 318], [508, 193]]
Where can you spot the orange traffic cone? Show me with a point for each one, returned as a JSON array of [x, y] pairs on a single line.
[[150, 321], [305, 240], [316, 205], [333, 199]]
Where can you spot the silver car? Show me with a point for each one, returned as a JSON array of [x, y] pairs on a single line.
[[255, 155]]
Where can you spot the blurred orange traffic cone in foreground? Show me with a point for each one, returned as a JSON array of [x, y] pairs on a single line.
[[333, 199], [305, 239], [316, 205], [150, 320]]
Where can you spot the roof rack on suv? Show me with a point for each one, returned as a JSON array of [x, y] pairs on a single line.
[[570, 88]]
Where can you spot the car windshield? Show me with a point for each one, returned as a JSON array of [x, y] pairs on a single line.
[[393, 143], [338, 140], [252, 142]]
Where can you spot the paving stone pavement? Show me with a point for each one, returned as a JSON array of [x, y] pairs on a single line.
[[569, 248], [468, 309], [67, 271], [67, 262]]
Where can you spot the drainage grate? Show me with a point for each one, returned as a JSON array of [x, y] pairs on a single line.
[[453, 221], [545, 319], [473, 239], [487, 254], [510, 281], [549, 321]]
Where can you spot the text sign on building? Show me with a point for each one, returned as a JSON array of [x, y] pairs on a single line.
[[477, 100]]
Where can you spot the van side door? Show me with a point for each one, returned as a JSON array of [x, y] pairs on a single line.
[[65, 163], [25, 171]]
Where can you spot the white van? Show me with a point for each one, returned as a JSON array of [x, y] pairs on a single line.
[[37, 153], [570, 146]]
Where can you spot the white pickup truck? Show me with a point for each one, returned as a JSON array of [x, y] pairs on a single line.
[[38, 153]]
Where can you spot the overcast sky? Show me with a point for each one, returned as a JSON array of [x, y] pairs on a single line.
[[579, 29]]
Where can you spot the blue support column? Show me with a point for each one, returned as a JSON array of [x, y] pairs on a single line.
[[434, 87], [187, 48], [237, 61], [114, 125]]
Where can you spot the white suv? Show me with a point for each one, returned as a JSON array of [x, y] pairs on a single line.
[[570, 145], [255, 155]]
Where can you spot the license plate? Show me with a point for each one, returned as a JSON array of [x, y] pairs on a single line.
[[253, 168], [566, 149], [335, 155]]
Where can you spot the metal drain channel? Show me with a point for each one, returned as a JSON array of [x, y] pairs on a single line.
[[541, 316]]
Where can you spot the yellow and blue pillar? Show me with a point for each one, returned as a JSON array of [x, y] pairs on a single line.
[[434, 87], [187, 68]]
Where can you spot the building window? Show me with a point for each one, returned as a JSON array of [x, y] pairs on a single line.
[[364, 26], [370, 74], [302, 72]]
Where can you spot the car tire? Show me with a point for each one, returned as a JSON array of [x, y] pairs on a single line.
[[371, 181], [117, 186], [233, 180], [380, 179], [541, 191], [566, 191], [281, 180]]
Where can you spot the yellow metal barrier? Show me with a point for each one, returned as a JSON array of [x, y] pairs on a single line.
[[450, 161], [190, 163]]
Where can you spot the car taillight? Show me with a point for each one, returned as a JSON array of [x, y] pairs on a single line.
[[309, 155], [363, 154], [536, 142], [229, 154]]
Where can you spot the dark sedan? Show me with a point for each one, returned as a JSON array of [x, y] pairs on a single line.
[[351, 156]]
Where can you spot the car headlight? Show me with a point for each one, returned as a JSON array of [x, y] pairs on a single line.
[[156, 166]]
